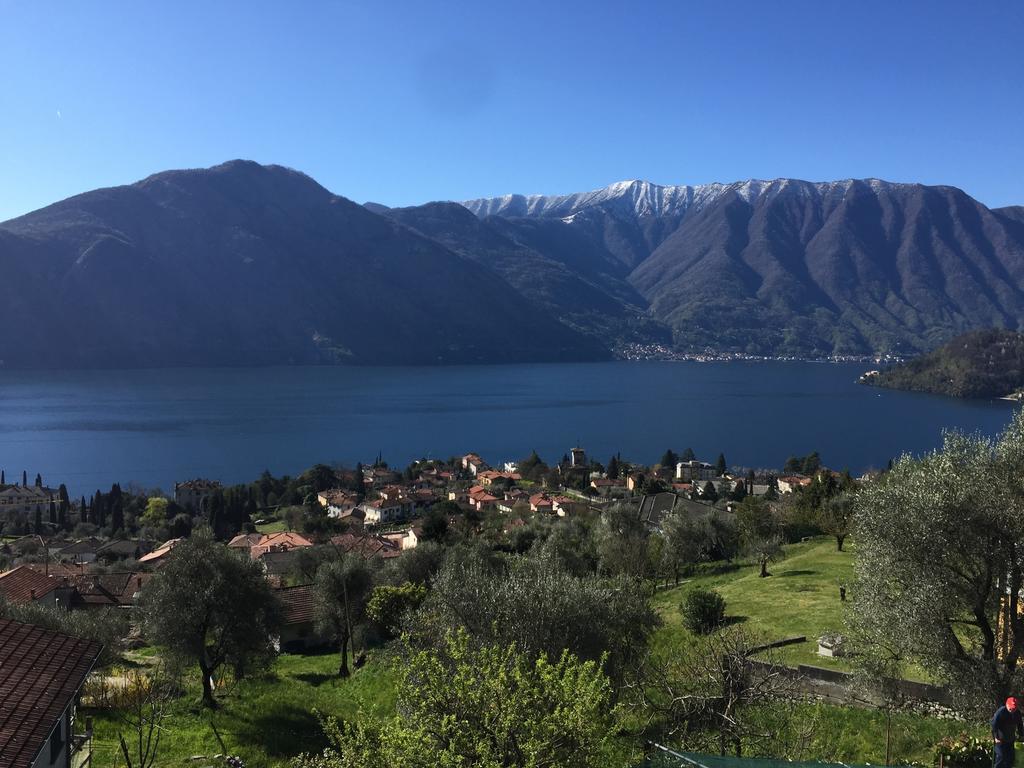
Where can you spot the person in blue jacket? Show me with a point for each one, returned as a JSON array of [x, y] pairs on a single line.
[[1007, 726]]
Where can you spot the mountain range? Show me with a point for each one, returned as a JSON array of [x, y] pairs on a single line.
[[245, 264]]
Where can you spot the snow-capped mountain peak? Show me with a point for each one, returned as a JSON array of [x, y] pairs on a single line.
[[644, 198]]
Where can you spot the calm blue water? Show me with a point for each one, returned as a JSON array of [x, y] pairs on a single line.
[[89, 429]]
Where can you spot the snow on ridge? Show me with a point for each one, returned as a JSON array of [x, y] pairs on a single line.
[[644, 198]]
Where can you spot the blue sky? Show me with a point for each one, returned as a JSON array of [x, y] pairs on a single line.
[[403, 102]]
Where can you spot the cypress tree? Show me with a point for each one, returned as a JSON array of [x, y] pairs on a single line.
[[53, 512], [24, 478], [83, 512], [39, 480], [613, 468], [720, 466], [99, 512], [709, 493], [3, 479]]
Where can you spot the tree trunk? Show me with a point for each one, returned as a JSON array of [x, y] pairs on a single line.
[[764, 567], [207, 674], [839, 542], [343, 669]]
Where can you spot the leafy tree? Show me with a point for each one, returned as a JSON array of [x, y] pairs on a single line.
[[723, 536], [155, 515], [940, 545], [703, 610], [613, 468], [417, 566], [536, 604], [342, 589], [804, 465], [207, 606], [759, 532], [321, 477], [836, 517], [739, 491], [688, 455], [669, 459], [622, 542], [487, 706], [687, 542], [533, 467], [389, 605], [709, 492]]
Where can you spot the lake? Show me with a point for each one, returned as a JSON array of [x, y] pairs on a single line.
[[89, 429]]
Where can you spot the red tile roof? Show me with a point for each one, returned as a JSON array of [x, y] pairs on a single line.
[[109, 589], [160, 552], [366, 546], [245, 540], [40, 674], [17, 585], [297, 604]]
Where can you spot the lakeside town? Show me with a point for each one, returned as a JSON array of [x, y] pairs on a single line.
[[97, 556]]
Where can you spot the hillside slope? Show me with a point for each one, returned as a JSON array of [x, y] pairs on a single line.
[[987, 363], [244, 264], [796, 267]]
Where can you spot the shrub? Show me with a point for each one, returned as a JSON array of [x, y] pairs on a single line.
[[703, 610], [963, 751]]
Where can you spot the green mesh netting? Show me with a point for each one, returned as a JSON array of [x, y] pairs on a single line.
[[661, 757]]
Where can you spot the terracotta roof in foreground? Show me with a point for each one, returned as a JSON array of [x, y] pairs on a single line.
[[40, 673], [17, 585]]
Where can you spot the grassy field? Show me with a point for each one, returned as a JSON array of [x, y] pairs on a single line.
[[275, 527], [264, 720], [800, 598], [269, 719]]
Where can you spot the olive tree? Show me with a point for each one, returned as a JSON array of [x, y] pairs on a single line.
[[836, 517], [488, 706], [940, 563], [341, 591], [759, 532], [208, 606], [542, 608]]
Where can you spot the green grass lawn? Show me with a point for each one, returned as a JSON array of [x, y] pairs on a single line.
[[265, 720], [275, 527], [801, 597], [269, 719]]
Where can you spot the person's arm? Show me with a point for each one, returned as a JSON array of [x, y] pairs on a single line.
[[995, 728]]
